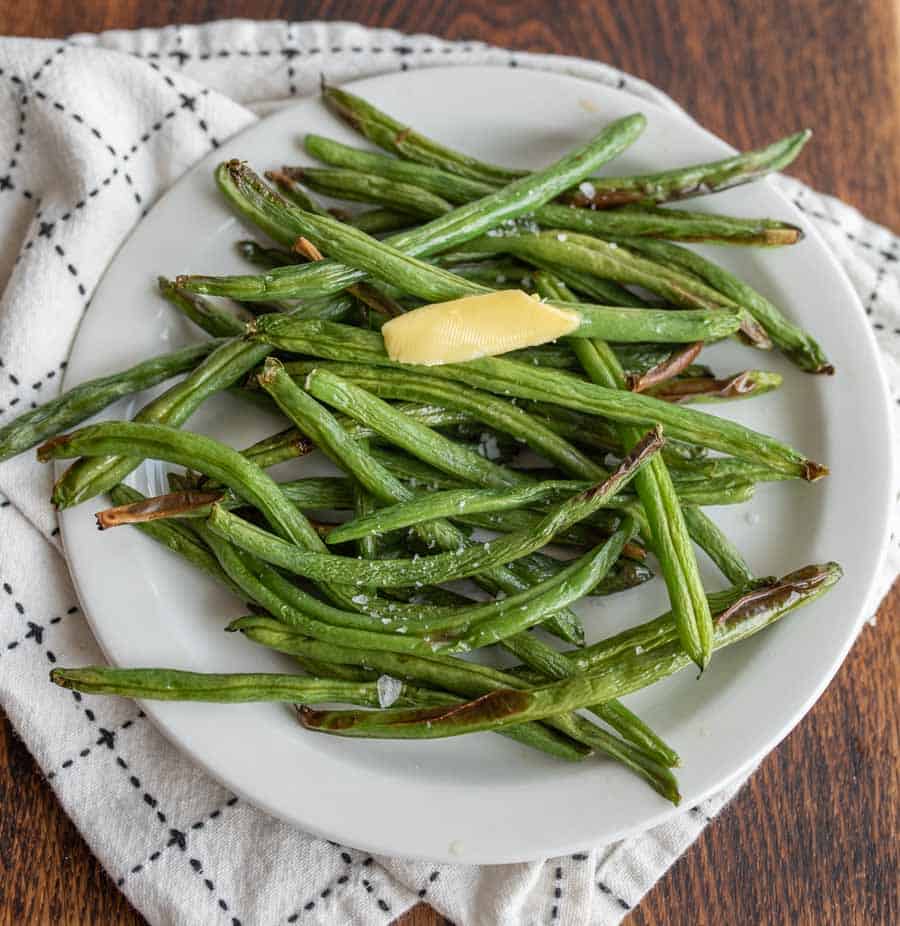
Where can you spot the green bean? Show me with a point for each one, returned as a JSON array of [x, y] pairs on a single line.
[[195, 451], [77, 404], [596, 434], [691, 389], [667, 527], [627, 573], [265, 257], [445, 505], [290, 443], [237, 688], [696, 180], [416, 474], [380, 221], [329, 436], [312, 617], [171, 506], [798, 344], [508, 522], [252, 198], [285, 445], [407, 433], [671, 540], [725, 468], [626, 674], [412, 384], [417, 439], [294, 193], [704, 318], [555, 355], [229, 467], [364, 505], [368, 188], [222, 368], [662, 631], [609, 260], [580, 577], [491, 272], [725, 492], [291, 604], [524, 381], [466, 504], [670, 367], [400, 139], [178, 538], [440, 567], [312, 493], [718, 547], [761, 600], [649, 636], [375, 178], [599, 290], [670, 224], [201, 311], [219, 370], [554, 665], [449, 186], [679, 183], [547, 429], [470, 625], [463, 678]]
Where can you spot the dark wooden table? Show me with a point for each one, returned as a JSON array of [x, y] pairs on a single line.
[[813, 838]]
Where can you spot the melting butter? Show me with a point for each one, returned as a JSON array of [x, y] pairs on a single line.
[[476, 326]]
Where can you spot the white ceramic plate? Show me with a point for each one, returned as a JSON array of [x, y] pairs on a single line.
[[482, 798]]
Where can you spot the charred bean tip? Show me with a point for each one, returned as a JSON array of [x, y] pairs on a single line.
[[47, 450], [813, 471]]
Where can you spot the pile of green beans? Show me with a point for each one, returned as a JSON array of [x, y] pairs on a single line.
[[558, 472]]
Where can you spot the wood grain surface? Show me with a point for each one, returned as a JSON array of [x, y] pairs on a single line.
[[812, 839]]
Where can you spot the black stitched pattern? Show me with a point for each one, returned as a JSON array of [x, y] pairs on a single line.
[[77, 117], [557, 893], [431, 879], [879, 279], [177, 839], [606, 889], [35, 632], [107, 739], [699, 812]]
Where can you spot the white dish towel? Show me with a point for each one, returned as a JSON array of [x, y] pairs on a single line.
[[92, 131]]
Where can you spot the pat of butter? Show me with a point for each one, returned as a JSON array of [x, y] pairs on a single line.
[[476, 326]]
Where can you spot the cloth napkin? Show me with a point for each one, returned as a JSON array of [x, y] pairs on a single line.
[[93, 130]]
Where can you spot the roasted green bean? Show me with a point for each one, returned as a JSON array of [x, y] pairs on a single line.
[[798, 344], [524, 381], [378, 179], [75, 405], [262, 205], [627, 673]]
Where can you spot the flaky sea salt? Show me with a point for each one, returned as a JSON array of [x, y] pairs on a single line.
[[587, 188], [360, 599], [488, 446], [388, 690]]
